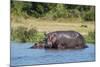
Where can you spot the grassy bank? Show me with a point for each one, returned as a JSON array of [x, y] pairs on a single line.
[[29, 20], [34, 36], [32, 29], [43, 25]]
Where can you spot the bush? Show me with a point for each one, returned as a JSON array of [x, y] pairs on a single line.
[[73, 13], [22, 34], [38, 37], [58, 11], [20, 8], [91, 37], [19, 34], [89, 16]]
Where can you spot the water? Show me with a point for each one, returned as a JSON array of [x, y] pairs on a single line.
[[22, 55]]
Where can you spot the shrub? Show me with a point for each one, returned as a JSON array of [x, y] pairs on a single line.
[[91, 37], [73, 13], [89, 16], [38, 37], [21, 34], [58, 11]]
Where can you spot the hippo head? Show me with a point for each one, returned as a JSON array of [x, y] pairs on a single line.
[[38, 45], [50, 39], [34, 46]]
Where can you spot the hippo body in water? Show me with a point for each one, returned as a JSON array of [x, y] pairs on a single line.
[[63, 40], [38, 45]]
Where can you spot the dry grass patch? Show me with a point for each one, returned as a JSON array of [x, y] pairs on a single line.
[[50, 25]]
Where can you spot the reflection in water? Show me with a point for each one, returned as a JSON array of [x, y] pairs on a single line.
[[22, 55]]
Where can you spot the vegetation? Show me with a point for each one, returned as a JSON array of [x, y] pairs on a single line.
[[22, 34], [29, 20], [51, 10], [90, 38]]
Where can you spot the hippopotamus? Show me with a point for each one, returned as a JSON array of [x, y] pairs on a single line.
[[64, 40], [38, 45]]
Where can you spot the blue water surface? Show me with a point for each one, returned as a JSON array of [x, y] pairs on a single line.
[[21, 54]]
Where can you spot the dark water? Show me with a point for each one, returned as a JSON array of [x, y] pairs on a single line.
[[22, 55]]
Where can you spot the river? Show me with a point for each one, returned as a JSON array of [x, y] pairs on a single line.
[[21, 54]]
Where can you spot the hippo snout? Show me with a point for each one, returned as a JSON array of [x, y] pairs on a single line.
[[34, 46]]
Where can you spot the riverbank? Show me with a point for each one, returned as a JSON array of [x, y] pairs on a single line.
[[32, 29]]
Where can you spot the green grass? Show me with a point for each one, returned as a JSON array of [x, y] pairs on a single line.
[[90, 38]]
